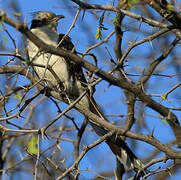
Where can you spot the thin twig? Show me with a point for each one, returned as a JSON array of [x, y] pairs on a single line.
[[85, 150], [72, 26], [66, 110], [99, 43], [37, 159], [147, 39]]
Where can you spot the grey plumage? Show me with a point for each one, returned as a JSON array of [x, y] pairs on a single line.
[[68, 77]]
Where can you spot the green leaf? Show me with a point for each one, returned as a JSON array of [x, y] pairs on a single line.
[[18, 96], [98, 34], [101, 18], [32, 146], [170, 8], [100, 27]]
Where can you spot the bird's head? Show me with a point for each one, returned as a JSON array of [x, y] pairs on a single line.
[[45, 18]]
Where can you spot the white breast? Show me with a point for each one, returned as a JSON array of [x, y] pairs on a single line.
[[57, 63]]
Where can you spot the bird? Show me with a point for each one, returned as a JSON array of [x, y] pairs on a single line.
[[65, 76]]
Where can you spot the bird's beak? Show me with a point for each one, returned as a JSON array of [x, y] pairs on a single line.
[[58, 17]]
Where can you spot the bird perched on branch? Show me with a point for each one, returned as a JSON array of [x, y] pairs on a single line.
[[65, 76]]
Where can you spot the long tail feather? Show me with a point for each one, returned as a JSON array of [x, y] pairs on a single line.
[[122, 152]]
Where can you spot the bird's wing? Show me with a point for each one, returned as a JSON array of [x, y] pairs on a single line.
[[75, 69]]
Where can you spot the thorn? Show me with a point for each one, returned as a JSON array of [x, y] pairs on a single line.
[[83, 14], [20, 116], [42, 131], [152, 132]]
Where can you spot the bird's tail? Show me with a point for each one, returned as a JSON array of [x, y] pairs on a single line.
[[122, 152]]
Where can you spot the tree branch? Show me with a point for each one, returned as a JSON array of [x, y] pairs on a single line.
[[122, 83]]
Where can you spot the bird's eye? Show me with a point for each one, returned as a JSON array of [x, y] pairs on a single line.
[[44, 20]]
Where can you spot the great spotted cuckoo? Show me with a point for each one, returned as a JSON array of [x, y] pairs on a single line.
[[67, 77]]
